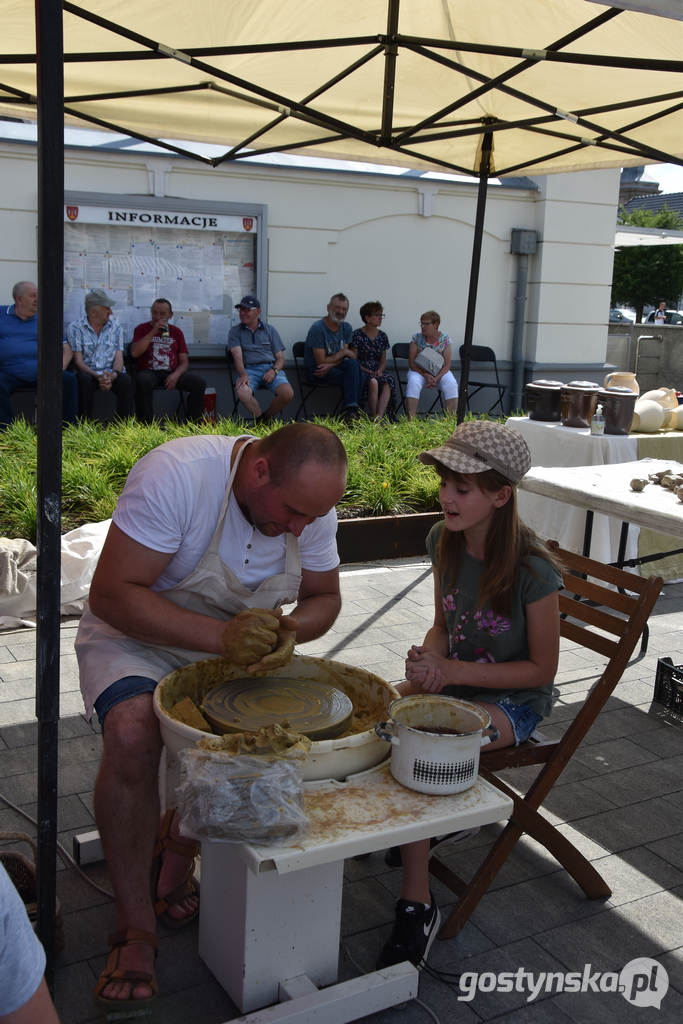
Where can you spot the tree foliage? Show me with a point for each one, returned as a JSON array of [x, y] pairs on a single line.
[[647, 274]]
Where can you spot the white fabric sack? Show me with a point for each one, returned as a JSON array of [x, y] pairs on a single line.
[[18, 569]]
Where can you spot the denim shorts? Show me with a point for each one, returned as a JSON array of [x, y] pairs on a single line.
[[522, 719], [255, 374], [122, 689]]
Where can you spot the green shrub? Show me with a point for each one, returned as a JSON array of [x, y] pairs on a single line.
[[385, 476]]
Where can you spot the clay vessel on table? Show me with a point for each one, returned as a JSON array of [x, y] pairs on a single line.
[[666, 397], [648, 416], [622, 379]]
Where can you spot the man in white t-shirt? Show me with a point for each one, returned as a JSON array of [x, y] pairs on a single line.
[[207, 531]]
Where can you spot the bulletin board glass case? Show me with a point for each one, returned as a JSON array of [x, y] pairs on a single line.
[[202, 257]]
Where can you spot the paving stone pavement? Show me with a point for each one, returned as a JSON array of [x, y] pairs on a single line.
[[620, 801]]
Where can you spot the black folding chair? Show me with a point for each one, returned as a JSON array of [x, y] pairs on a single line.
[[306, 389], [399, 351], [482, 356]]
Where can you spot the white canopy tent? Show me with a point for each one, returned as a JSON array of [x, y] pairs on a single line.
[[493, 87], [561, 84]]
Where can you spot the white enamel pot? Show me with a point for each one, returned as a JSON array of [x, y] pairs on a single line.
[[435, 742]]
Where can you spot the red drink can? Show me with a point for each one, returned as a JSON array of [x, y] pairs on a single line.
[[210, 405]]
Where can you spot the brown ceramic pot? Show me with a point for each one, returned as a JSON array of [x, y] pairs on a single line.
[[543, 400], [617, 407], [578, 401]]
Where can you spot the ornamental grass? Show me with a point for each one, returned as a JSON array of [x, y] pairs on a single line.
[[385, 476]]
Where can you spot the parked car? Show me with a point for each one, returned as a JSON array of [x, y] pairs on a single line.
[[672, 317], [616, 316]]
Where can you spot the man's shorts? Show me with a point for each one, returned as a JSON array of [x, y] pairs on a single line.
[[122, 689], [255, 374]]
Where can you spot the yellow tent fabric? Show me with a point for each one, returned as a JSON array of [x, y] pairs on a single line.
[[342, 80]]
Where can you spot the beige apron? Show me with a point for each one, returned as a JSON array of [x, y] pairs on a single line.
[[212, 588]]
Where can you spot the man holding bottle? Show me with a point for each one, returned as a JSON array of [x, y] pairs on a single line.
[[160, 353]]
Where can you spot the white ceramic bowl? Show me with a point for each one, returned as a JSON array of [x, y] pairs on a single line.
[[327, 759]]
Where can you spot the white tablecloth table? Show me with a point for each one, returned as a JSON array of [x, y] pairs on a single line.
[[561, 518], [607, 489]]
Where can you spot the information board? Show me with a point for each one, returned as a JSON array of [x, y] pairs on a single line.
[[202, 262]]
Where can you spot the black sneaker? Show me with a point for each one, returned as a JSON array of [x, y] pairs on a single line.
[[414, 931]]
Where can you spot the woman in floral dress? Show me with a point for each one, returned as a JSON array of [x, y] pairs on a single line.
[[371, 344]]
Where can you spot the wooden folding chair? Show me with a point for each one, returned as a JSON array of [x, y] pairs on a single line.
[[604, 620]]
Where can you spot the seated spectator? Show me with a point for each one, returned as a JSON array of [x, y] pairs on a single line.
[[97, 343], [259, 358], [160, 353], [19, 354], [24, 996], [432, 340], [329, 358], [370, 345]]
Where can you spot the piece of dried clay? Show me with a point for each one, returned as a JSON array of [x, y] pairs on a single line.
[[638, 483], [187, 712]]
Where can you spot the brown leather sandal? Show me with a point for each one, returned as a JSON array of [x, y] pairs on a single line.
[[112, 971], [188, 887]]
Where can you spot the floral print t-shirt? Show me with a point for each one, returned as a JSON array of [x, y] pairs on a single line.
[[480, 634]]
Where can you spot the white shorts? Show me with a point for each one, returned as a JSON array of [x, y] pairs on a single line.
[[448, 385]]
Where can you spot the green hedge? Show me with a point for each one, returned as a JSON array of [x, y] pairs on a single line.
[[385, 476]]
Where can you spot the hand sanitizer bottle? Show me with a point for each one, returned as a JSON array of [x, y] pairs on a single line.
[[598, 422]]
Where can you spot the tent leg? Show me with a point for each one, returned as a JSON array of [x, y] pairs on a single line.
[[50, 90], [484, 170]]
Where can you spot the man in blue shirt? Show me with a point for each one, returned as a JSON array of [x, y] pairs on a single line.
[[258, 356], [329, 359], [19, 353]]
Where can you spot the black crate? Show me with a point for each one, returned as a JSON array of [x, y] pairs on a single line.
[[669, 687]]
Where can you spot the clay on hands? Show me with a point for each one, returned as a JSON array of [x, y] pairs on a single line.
[[279, 657], [250, 635]]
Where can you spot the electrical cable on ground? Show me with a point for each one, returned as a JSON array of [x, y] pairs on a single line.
[[61, 850]]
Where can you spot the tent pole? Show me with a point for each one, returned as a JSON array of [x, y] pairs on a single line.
[[484, 169], [50, 92]]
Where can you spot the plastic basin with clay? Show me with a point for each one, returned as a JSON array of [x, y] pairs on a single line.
[[355, 751]]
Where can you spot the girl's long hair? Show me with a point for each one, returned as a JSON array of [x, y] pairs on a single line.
[[509, 544]]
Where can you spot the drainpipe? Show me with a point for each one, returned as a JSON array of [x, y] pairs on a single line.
[[522, 244]]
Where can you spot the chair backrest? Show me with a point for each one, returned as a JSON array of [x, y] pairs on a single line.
[[298, 349], [605, 610], [400, 349], [479, 354], [129, 361]]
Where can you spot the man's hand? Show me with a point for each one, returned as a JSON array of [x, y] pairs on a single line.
[[257, 633], [280, 656], [322, 369], [171, 381]]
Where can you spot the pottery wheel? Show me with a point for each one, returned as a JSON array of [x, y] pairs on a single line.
[[317, 710]]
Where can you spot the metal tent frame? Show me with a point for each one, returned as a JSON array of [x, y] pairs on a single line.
[[474, 76]]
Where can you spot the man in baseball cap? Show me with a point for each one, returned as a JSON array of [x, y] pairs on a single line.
[[258, 358], [97, 343]]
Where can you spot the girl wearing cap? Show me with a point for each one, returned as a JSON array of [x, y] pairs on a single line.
[[496, 629]]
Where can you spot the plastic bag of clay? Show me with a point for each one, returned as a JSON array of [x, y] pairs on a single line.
[[250, 799]]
